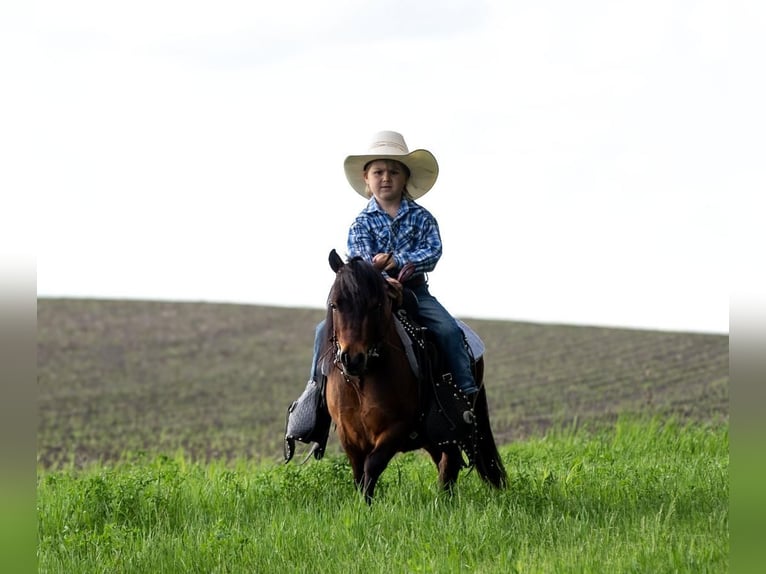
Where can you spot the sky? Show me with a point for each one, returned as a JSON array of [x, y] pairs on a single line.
[[193, 151]]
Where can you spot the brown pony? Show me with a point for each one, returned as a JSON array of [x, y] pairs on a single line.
[[374, 396]]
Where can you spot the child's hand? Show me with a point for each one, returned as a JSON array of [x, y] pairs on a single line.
[[383, 261], [395, 291]]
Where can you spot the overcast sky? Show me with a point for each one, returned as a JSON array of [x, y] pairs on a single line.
[[183, 150]]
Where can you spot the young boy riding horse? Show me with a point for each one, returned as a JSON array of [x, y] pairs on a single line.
[[393, 231]]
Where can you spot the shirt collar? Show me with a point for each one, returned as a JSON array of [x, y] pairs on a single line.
[[372, 207]]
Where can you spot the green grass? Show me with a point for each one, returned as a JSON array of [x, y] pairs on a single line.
[[640, 496]]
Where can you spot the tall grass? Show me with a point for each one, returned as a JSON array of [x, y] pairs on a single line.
[[643, 496]]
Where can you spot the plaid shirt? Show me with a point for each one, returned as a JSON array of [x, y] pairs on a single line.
[[412, 236]]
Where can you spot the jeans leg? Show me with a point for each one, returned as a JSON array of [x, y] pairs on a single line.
[[449, 337], [318, 338]]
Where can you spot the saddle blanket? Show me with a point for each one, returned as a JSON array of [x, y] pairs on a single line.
[[474, 341]]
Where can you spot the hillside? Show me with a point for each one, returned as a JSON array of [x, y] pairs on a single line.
[[215, 380]]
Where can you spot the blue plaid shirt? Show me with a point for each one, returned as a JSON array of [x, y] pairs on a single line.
[[412, 236]]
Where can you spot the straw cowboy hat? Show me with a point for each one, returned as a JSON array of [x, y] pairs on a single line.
[[390, 145]]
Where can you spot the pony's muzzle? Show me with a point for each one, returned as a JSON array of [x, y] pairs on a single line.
[[353, 365]]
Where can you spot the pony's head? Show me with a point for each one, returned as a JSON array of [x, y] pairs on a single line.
[[358, 314]]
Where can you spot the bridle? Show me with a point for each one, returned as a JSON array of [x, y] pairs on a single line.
[[372, 353]]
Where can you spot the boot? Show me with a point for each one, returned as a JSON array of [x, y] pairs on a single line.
[[308, 420]]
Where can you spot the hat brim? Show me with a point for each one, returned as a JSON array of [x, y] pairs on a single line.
[[422, 165]]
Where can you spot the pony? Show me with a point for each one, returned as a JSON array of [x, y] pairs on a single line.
[[373, 395]]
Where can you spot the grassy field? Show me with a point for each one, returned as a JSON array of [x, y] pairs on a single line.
[[641, 497], [214, 381], [161, 428]]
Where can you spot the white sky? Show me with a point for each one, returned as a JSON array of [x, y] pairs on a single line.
[[190, 150]]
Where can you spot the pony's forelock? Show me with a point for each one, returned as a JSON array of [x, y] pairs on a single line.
[[356, 283]]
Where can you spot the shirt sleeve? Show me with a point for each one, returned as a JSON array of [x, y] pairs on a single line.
[[424, 248], [360, 241]]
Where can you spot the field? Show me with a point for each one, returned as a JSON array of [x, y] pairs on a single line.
[[161, 423], [642, 497], [215, 381]]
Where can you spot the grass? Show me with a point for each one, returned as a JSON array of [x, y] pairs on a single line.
[[643, 496]]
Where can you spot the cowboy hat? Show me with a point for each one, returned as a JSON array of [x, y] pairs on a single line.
[[390, 145]]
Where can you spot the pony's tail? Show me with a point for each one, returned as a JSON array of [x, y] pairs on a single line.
[[488, 462]]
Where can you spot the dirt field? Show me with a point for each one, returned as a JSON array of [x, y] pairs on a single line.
[[216, 380]]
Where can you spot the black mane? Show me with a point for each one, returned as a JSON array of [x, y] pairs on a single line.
[[358, 286], [359, 289]]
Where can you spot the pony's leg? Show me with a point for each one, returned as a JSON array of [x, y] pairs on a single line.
[[448, 461], [449, 467], [356, 459], [354, 452], [374, 465], [436, 456]]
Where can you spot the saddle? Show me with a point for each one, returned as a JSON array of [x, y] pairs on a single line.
[[446, 413]]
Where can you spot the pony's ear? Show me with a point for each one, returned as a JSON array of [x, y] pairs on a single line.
[[335, 261]]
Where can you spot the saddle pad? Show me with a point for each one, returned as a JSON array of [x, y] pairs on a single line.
[[474, 341]]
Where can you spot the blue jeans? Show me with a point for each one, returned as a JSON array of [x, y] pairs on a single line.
[[448, 335], [446, 331], [318, 338]]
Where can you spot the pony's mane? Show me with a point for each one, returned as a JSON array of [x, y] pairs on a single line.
[[357, 283]]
